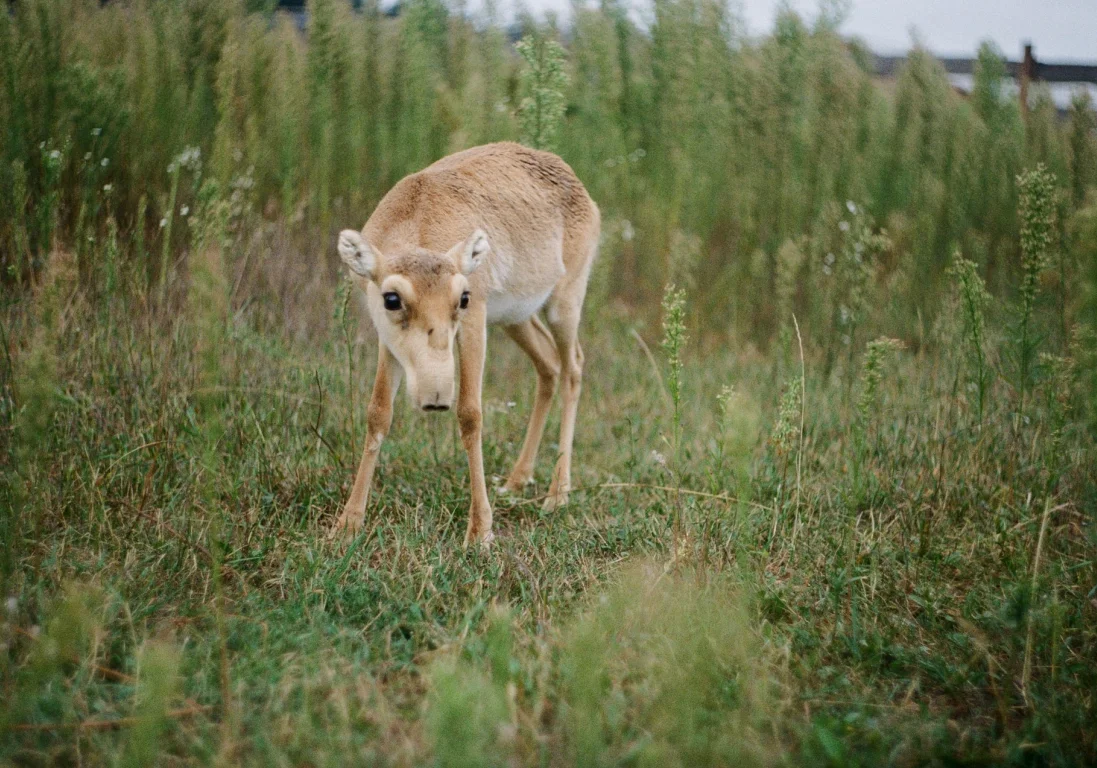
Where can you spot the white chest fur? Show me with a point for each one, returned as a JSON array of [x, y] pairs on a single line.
[[508, 310]]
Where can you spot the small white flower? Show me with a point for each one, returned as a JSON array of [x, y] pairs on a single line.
[[96, 131], [163, 222], [184, 210], [851, 206], [41, 145], [844, 226], [627, 231], [511, 403], [105, 162], [108, 188], [11, 604], [829, 259], [87, 156], [659, 458], [55, 154]]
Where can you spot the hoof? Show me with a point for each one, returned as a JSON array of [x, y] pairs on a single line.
[[517, 483], [484, 541], [346, 527], [555, 501]]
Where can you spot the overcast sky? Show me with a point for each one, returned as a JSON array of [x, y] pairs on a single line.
[[1059, 29]]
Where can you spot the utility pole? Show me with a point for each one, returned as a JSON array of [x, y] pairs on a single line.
[[1028, 73]]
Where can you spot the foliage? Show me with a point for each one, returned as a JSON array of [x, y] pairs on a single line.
[[973, 299], [1037, 214], [542, 84], [315, 128], [865, 576]]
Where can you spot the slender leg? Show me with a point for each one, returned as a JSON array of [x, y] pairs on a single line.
[[472, 342], [564, 322], [378, 421], [535, 341]]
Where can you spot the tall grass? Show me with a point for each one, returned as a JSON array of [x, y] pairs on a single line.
[[657, 120]]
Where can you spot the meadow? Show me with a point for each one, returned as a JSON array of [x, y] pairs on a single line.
[[835, 464]]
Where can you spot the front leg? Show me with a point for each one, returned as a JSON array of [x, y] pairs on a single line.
[[378, 421], [472, 340]]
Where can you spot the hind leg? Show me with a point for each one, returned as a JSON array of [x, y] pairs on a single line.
[[563, 313], [535, 341], [565, 326]]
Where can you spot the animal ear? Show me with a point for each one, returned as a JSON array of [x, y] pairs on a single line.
[[470, 253], [357, 254]]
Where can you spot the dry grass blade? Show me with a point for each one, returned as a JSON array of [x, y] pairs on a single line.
[[105, 724]]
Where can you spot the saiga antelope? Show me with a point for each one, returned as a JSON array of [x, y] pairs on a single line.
[[488, 235]]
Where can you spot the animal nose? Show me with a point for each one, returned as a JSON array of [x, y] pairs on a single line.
[[437, 403]]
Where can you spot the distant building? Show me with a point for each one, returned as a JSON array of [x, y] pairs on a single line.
[[1062, 80]]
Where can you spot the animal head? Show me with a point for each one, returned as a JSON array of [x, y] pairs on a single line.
[[416, 298]]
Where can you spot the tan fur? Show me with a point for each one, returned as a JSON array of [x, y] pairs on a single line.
[[516, 229]]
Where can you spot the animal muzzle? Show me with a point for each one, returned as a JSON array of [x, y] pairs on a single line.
[[434, 383]]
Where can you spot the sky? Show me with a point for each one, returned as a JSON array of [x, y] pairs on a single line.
[[1060, 30]]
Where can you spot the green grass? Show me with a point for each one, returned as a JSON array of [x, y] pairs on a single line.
[[789, 544], [170, 565]]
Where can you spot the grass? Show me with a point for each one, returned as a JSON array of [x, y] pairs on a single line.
[[882, 611]]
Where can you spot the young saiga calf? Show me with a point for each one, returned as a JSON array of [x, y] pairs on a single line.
[[489, 235]]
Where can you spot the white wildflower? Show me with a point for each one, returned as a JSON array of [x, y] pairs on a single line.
[[191, 158]]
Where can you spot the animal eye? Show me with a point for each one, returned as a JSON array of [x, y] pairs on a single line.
[[465, 300], [392, 301]]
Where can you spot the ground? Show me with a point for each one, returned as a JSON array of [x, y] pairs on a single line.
[[901, 585]]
